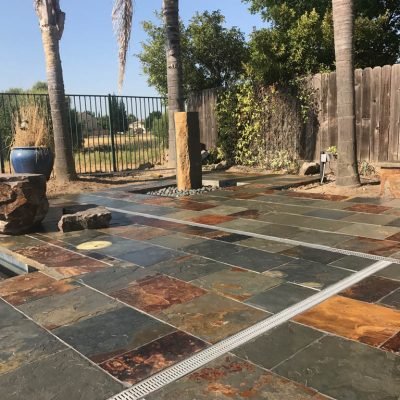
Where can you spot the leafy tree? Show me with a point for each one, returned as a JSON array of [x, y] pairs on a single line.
[[152, 116], [299, 38], [212, 55]]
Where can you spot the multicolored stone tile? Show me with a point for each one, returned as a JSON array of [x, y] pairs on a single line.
[[237, 283], [148, 256], [212, 219], [353, 263], [392, 300], [60, 262], [277, 345], [212, 317], [139, 364], [369, 231], [371, 289], [177, 241], [115, 278], [187, 267], [136, 232], [24, 342], [25, 288], [229, 377], [159, 293], [280, 297], [308, 273], [344, 369], [368, 323], [393, 344], [116, 332], [368, 208], [311, 254], [62, 376], [65, 309]]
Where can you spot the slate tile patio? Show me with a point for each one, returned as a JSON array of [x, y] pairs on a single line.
[[147, 293]]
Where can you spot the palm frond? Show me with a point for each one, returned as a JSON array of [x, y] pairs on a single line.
[[122, 16]]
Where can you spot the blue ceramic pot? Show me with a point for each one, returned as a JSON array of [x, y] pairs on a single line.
[[32, 160]]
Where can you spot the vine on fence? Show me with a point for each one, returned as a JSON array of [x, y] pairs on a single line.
[[261, 126]]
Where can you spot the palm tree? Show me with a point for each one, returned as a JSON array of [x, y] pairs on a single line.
[[51, 21], [174, 72], [343, 21]]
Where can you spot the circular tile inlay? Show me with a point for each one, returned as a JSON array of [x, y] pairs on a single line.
[[94, 245]]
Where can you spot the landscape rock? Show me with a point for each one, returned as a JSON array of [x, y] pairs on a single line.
[[79, 218], [309, 168], [23, 202]]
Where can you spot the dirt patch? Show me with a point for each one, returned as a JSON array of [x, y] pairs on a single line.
[[92, 183], [370, 187]]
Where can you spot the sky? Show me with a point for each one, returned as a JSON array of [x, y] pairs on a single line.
[[88, 47]]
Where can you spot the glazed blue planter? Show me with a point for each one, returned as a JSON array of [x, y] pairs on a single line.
[[32, 160]]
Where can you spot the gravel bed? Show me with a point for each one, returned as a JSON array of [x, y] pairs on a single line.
[[172, 191]]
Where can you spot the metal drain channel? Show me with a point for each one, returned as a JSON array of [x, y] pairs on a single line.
[[202, 358], [261, 236]]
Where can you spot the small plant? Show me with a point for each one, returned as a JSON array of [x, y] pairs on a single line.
[[282, 160], [366, 169], [31, 128], [332, 150]]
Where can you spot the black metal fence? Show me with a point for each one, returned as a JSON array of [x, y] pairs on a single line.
[[109, 133]]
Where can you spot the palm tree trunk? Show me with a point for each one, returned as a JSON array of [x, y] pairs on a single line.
[[174, 72], [51, 20], [343, 20]]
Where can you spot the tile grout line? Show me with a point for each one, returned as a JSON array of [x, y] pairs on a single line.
[[185, 367], [262, 236]]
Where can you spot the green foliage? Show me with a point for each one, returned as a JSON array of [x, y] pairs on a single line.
[[251, 128], [332, 150], [299, 38], [366, 169], [283, 160], [212, 55]]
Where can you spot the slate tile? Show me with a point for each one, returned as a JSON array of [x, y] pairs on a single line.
[[368, 208], [159, 293], [371, 289], [277, 345], [393, 344], [392, 299], [233, 378], [309, 273], [345, 369], [368, 323], [139, 364], [212, 317], [236, 283], [25, 288], [280, 297], [46, 380], [188, 267], [65, 309], [149, 256], [390, 272], [307, 253], [24, 342], [116, 332], [353, 263]]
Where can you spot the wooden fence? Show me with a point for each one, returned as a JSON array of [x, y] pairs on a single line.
[[377, 93], [204, 103]]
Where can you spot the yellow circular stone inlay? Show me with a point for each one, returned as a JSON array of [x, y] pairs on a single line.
[[94, 245]]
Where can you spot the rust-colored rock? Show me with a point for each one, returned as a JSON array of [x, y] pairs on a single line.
[[390, 180], [23, 202], [84, 217], [188, 151]]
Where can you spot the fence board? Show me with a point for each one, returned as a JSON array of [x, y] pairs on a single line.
[[358, 106], [332, 139], [394, 123], [384, 114], [364, 144], [375, 112], [324, 111]]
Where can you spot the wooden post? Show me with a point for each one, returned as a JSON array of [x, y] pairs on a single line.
[[188, 151]]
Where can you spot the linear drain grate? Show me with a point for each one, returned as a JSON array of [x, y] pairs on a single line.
[[265, 237], [202, 358]]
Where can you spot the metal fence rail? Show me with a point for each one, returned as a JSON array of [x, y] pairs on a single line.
[[109, 133]]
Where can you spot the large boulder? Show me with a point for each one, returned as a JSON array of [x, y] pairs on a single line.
[[309, 168], [78, 218], [23, 202]]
